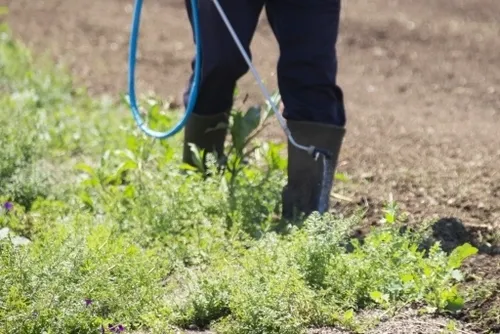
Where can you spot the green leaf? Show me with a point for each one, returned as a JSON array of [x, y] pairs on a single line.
[[376, 295], [243, 126], [273, 156], [252, 119], [237, 130], [186, 166], [86, 199], [405, 278], [459, 254], [455, 302], [129, 191], [379, 297], [117, 175], [342, 177], [85, 168], [132, 143], [348, 315]]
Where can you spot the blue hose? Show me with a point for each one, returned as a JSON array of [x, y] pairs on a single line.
[[131, 73]]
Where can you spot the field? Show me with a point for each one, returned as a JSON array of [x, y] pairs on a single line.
[[100, 229]]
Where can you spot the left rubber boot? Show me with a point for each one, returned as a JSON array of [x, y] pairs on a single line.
[[305, 175], [208, 133]]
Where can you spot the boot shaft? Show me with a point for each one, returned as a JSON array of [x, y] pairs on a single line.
[[305, 175]]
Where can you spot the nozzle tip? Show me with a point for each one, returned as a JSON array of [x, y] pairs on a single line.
[[316, 152]]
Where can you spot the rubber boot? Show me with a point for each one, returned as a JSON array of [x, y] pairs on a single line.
[[302, 192], [200, 130]]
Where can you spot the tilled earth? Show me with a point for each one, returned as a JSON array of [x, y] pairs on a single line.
[[421, 82]]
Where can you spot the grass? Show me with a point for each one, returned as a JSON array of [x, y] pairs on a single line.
[[104, 230]]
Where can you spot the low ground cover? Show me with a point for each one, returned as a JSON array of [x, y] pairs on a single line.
[[102, 229]]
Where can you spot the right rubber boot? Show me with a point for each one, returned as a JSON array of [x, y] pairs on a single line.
[[208, 133], [305, 175]]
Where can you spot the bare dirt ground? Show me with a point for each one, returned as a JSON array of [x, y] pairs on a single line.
[[421, 82]]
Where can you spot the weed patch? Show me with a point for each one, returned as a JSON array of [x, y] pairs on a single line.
[[121, 236]]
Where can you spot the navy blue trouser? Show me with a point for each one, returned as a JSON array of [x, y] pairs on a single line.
[[306, 31]]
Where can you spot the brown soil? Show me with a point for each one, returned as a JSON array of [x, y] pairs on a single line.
[[421, 80]]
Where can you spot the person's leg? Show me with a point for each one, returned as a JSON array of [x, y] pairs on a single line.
[[222, 66], [314, 109]]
